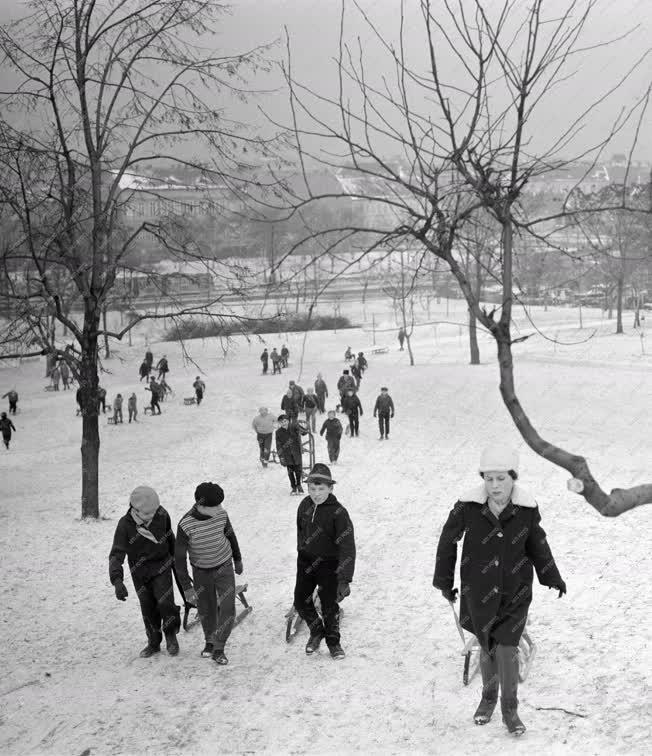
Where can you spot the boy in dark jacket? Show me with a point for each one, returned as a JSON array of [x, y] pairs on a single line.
[[12, 396], [351, 406], [321, 391], [384, 408], [326, 560], [205, 535], [199, 387], [333, 429], [288, 448], [6, 426], [290, 405], [144, 535]]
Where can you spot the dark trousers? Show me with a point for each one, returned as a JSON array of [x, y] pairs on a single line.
[[102, 401], [294, 474], [133, 414], [265, 445], [311, 413], [12, 407], [354, 424], [117, 413], [321, 402], [265, 367], [6, 438], [155, 405], [215, 590], [160, 613], [276, 367], [199, 395], [333, 448], [383, 423], [313, 572]]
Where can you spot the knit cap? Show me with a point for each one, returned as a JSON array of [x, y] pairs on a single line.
[[498, 457], [145, 501]]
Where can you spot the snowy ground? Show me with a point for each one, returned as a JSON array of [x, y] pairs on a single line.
[[72, 680]]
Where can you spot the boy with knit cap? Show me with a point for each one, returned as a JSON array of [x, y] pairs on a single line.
[[205, 536], [144, 535], [326, 560]]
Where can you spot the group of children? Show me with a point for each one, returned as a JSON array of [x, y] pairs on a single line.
[[205, 538], [279, 359]]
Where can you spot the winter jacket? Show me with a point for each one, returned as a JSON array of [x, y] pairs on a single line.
[[155, 388], [146, 558], [333, 428], [65, 371], [362, 363], [264, 357], [11, 395], [384, 405], [263, 423], [288, 445], [6, 426], [496, 567], [199, 386], [297, 394], [309, 402], [117, 403], [162, 365], [275, 356], [351, 405], [290, 406], [345, 383], [320, 387], [144, 369], [325, 530], [208, 540], [132, 403]]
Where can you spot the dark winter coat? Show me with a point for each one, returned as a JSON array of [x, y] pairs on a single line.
[[351, 405], [162, 366], [264, 357], [332, 428], [384, 405], [309, 402], [146, 558], [345, 383], [288, 445], [325, 530], [297, 394], [496, 567], [144, 369], [320, 387], [290, 405], [6, 426]]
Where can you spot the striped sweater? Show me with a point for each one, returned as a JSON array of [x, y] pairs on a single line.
[[208, 540]]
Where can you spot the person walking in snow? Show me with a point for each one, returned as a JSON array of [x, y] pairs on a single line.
[[55, 377], [289, 405], [12, 398], [263, 424], [65, 375], [321, 391], [503, 542], [144, 370], [264, 358], [401, 338], [332, 427], [132, 407], [310, 408], [289, 451], [384, 409], [117, 409], [6, 426], [285, 356], [205, 536], [361, 362], [101, 398], [156, 395], [276, 362], [344, 383], [162, 367], [325, 560], [144, 535], [298, 393], [149, 359], [352, 407], [200, 388], [357, 375]]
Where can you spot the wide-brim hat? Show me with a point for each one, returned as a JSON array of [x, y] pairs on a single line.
[[321, 472], [498, 457]]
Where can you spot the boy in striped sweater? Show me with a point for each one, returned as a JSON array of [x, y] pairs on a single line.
[[205, 535]]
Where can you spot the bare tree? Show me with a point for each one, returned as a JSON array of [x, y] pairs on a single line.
[[103, 92], [463, 145]]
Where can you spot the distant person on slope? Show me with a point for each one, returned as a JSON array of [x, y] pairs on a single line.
[[276, 361], [285, 355], [156, 395], [6, 426], [263, 424], [132, 407], [144, 535], [352, 407], [264, 358], [12, 397], [321, 390], [162, 367], [117, 409], [200, 388], [333, 429], [310, 408], [289, 451], [65, 375], [384, 409]]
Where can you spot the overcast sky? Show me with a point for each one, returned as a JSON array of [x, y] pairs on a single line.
[[313, 26]]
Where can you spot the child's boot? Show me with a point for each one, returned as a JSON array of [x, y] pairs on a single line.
[[489, 698], [507, 663]]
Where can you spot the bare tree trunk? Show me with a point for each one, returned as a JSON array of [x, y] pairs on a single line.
[[107, 352], [473, 330], [619, 304], [90, 445]]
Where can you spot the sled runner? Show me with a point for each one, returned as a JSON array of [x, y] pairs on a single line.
[[188, 400], [293, 622], [307, 449], [471, 653], [240, 590]]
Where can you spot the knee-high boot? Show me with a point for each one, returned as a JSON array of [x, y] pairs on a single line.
[[489, 671], [507, 662]]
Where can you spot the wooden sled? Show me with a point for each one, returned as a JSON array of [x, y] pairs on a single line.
[[293, 621], [188, 400], [240, 590]]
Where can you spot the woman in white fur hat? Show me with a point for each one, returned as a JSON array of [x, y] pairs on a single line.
[[503, 541]]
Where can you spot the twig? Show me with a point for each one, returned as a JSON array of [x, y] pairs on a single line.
[[18, 687], [559, 708]]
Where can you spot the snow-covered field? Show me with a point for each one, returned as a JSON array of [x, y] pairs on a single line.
[[72, 681]]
